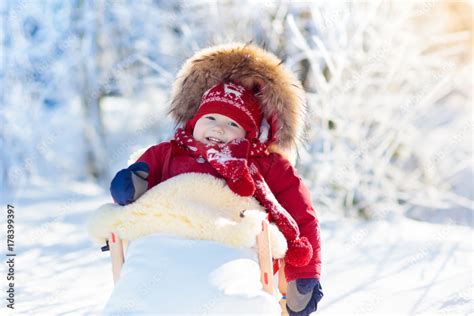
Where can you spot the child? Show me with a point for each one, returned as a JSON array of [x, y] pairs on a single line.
[[227, 134]]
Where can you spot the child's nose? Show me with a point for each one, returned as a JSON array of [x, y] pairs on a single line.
[[218, 128]]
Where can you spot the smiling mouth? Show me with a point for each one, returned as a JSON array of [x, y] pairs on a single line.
[[214, 140]]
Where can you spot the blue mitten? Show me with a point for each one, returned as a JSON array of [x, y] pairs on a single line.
[[303, 296], [130, 183]]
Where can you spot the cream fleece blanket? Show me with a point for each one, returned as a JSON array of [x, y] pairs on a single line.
[[192, 205]]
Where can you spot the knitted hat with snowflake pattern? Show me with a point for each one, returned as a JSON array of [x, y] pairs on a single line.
[[234, 101]]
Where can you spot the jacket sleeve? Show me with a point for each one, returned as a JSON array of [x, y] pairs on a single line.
[[294, 196], [154, 157]]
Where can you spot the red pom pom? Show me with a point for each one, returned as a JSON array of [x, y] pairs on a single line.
[[299, 252]]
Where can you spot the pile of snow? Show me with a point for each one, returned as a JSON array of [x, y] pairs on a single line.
[[166, 274]]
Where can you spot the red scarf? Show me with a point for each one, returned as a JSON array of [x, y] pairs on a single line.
[[231, 162]]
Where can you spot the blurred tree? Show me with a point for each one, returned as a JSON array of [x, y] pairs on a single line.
[[90, 90]]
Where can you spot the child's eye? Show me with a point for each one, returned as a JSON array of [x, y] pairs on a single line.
[[211, 118], [234, 124]]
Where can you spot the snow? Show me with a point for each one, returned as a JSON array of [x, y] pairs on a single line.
[[168, 274], [397, 266], [403, 267]]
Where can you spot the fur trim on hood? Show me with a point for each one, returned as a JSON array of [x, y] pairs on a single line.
[[278, 90]]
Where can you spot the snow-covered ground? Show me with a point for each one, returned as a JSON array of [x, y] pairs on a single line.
[[399, 267]]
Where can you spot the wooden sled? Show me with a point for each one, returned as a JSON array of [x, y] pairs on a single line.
[[117, 249]]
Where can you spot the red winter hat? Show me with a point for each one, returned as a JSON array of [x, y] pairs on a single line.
[[234, 101]]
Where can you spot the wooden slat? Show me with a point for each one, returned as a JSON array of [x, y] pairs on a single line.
[[116, 252], [265, 258], [282, 286]]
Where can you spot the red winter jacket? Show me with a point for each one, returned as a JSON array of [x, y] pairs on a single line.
[[167, 160]]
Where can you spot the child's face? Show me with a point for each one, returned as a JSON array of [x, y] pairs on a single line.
[[217, 129]]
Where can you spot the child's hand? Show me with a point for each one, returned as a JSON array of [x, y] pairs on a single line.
[[129, 184], [303, 296]]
